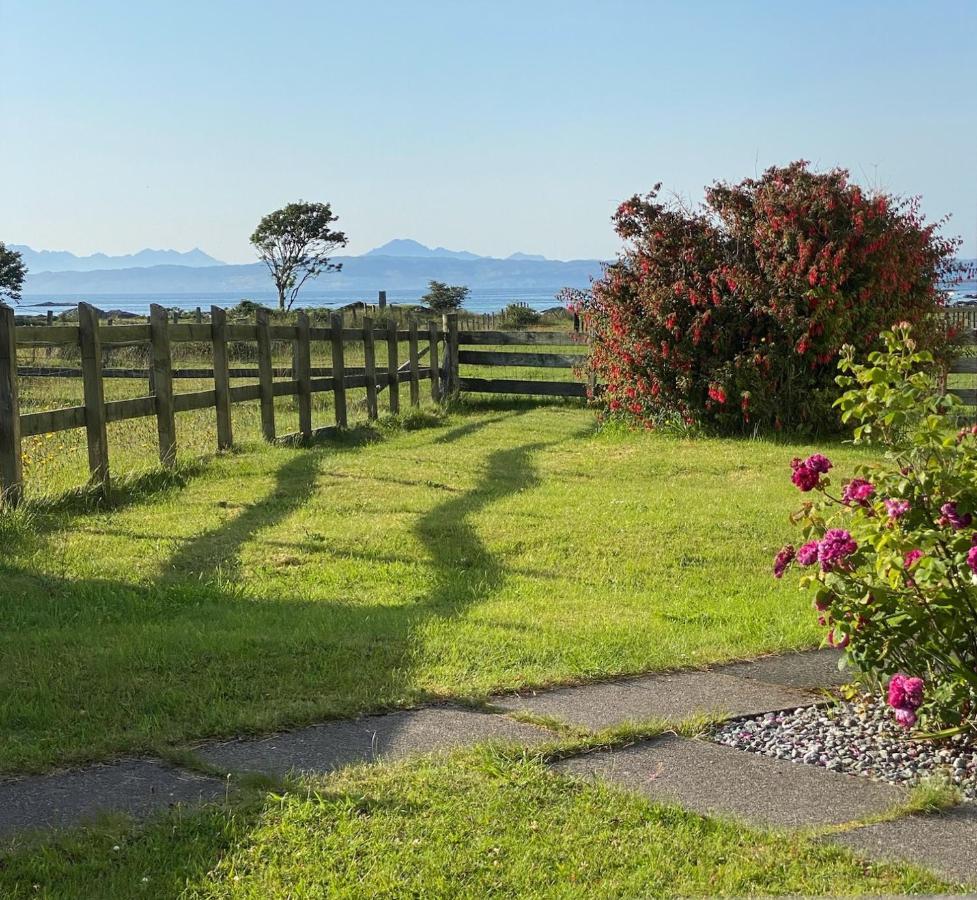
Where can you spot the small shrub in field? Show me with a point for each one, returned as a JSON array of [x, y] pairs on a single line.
[[515, 315], [733, 314], [891, 552]]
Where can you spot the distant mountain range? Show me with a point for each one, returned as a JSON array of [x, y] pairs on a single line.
[[63, 261], [397, 265]]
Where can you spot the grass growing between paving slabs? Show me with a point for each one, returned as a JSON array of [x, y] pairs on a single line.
[[479, 823], [493, 549]]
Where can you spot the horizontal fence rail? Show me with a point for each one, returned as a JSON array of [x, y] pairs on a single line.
[[529, 358]]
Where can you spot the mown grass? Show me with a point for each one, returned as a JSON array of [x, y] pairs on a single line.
[[491, 549], [484, 823]]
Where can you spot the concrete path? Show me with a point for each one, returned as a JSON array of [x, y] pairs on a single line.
[[945, 842], [137, 787], [741, 689], [321, 748], [698, 775], [711, 779]]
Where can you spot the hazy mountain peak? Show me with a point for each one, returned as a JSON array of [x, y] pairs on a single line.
[[408, 247], [527, 257], [65, 261]]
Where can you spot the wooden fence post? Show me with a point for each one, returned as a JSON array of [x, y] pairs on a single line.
[[370, 368], [265, 374], [222, 380], [303, 373], [162, 370], [338, 370], [393, 365], [433, 353], [451, 356], [415, 380], [11, 462], [94, 394]]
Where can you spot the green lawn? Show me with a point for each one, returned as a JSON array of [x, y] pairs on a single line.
[[493, 549], [485, 823]]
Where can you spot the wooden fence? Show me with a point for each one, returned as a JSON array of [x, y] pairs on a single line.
[[521, 359], [163, 402], [93, 339]]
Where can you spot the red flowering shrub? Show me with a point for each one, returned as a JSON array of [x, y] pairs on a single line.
[[733, 315]]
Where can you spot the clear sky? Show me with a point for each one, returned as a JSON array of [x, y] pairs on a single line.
[[491, 126]]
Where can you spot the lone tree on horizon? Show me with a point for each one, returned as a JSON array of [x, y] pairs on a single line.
[[295, 243], [12, 272]]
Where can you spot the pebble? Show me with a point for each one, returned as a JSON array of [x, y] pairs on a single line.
[[858, 737]]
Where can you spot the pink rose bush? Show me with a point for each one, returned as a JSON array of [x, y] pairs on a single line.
[[891, 555]]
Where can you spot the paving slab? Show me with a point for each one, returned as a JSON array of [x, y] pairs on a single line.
[[138, 787], [674, 696], [321, 748], [944, 842], [807, 670], [707, 778]]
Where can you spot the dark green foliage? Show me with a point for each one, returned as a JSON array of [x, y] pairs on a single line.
[[515, 315], [443, 297], [12, 272]]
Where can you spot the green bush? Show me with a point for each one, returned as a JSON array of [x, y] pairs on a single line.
[[515, 315], [892, 556]]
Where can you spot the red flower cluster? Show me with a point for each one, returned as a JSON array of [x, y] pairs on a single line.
[[735, 312]]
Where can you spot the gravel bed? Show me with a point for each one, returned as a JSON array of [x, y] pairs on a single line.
[[857, 738]]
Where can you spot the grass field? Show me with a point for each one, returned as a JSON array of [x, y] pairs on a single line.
[[485, 823], [494, 548]]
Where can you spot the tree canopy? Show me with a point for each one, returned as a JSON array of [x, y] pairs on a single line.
[[12, 272], [295, 242], [444, 297]]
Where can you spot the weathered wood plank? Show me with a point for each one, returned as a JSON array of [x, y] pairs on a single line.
[[191, 331], [964, 366], [321, 386], [162, 366], [303, 373], [338, 368], [289, 388], [435, 373], [968, 395], [222, 378], [51, 420], [28, 335], [414, 375], [241, 332], [11, 424], [243, 393], [529, 360], [451, 368], [265, 377], [194, 400], [370, 365], [94, 394], [540, 338], [354, 335], [282, 332], [518, 386], [393, 364], [124, 334], [133, 408]]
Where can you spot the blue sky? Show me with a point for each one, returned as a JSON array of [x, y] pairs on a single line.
[[490, 126]]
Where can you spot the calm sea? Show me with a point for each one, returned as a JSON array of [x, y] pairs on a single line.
[[480, 301]]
